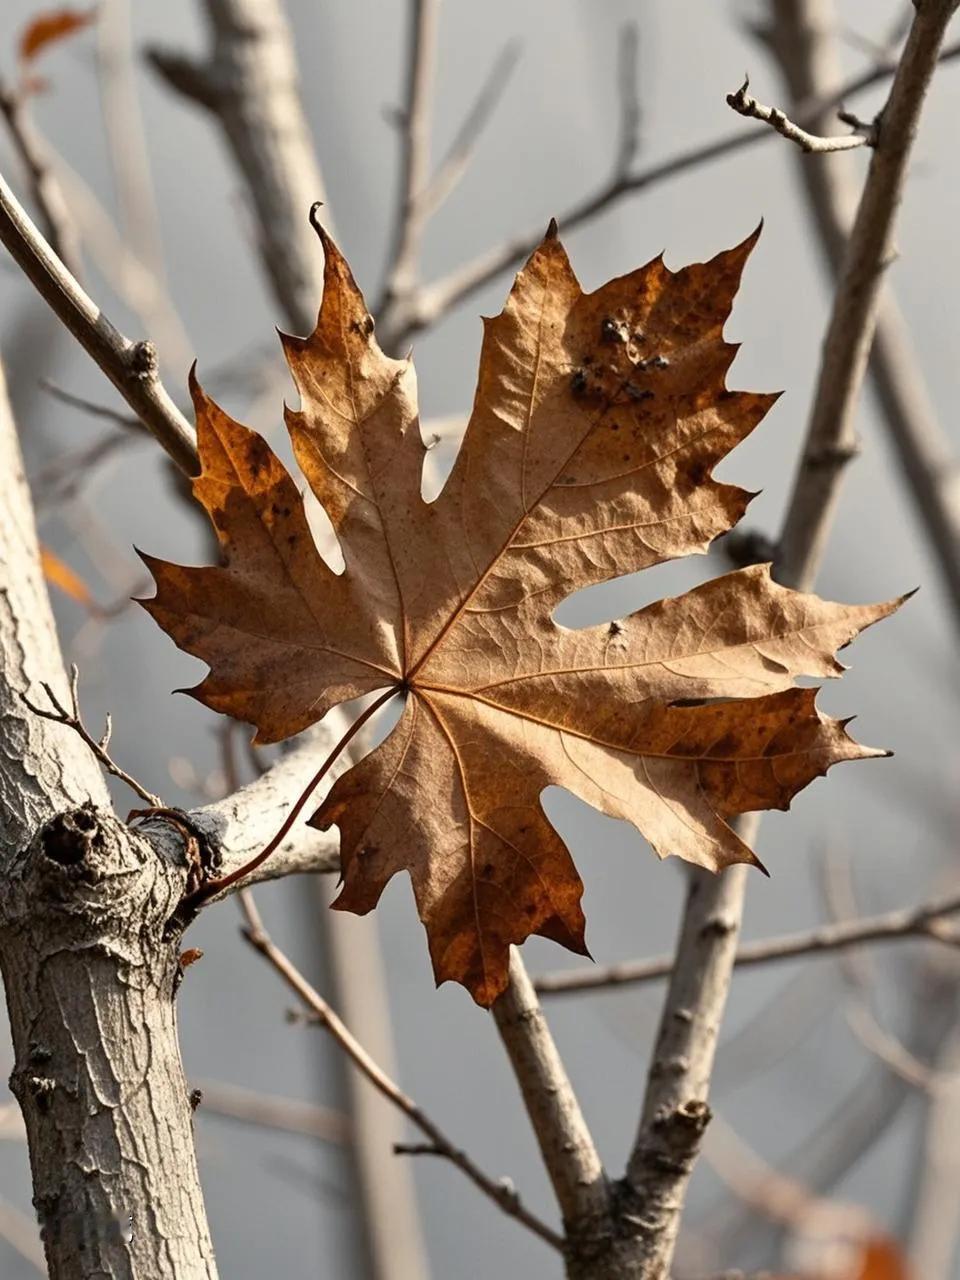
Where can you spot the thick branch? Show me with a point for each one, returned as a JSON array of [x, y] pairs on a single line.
[[239, 826], [88, 967], [130, 366], [929, 920], [250, 84], [675, 1109]]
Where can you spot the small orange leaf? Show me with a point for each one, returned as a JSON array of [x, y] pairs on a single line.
[[50, 26], [882, 1260], [63, 577]]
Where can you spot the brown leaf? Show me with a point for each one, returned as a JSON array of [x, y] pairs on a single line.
[[597, 422], [50, 26]]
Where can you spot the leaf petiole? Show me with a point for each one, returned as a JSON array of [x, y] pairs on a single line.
[[211, 888]]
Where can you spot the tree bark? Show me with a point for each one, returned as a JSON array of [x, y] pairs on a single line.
[[90, 968]]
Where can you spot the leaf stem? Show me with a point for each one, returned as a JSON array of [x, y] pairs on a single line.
[[211, 888]]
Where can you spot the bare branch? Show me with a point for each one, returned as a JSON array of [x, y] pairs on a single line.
[[436, 298], [566, 1146], [237, 827], [73, 720], [746, 105], [935, 1218], [127, 149], [457, 160], [266, 1110], [808, 60], [630, 113], [893, 926], [502, 1194], [675, 1109], [45, 190], [416, 118], [126, 420], [250, 84], [130, 366], [846, 347]]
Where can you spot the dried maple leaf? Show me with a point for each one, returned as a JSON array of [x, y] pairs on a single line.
[[597, 423]]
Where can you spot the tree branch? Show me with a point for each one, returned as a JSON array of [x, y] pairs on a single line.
[[130, 366], [499, 1192], [846, 347], [746, 105], [800, 39], [675, 1109], [566, 1146], [415, 118], [923, 921], [87, 965], [433, 300], [72, 719], [457, 160], [44, 188], [250, 84]]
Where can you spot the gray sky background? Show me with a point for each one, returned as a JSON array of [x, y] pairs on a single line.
[[282, 1205]]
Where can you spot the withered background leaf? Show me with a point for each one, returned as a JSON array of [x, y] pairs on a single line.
[[597, 422], [50, 26]]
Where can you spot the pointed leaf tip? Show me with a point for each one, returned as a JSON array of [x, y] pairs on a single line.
[[553, 230]]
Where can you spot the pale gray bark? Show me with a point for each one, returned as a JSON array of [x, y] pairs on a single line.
[[89, 968], [568, 1151]]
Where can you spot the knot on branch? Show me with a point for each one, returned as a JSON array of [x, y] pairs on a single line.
[[74, 839], [87, 881]]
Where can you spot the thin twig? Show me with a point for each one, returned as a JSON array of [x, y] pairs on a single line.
[[128, 420], [433, 300], [72, 719], [416, 116], [923, 921], [457, 160], [130, 366], [746, 105], [628, 80], [501, 1193], [45, 190], [266, 1110]]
